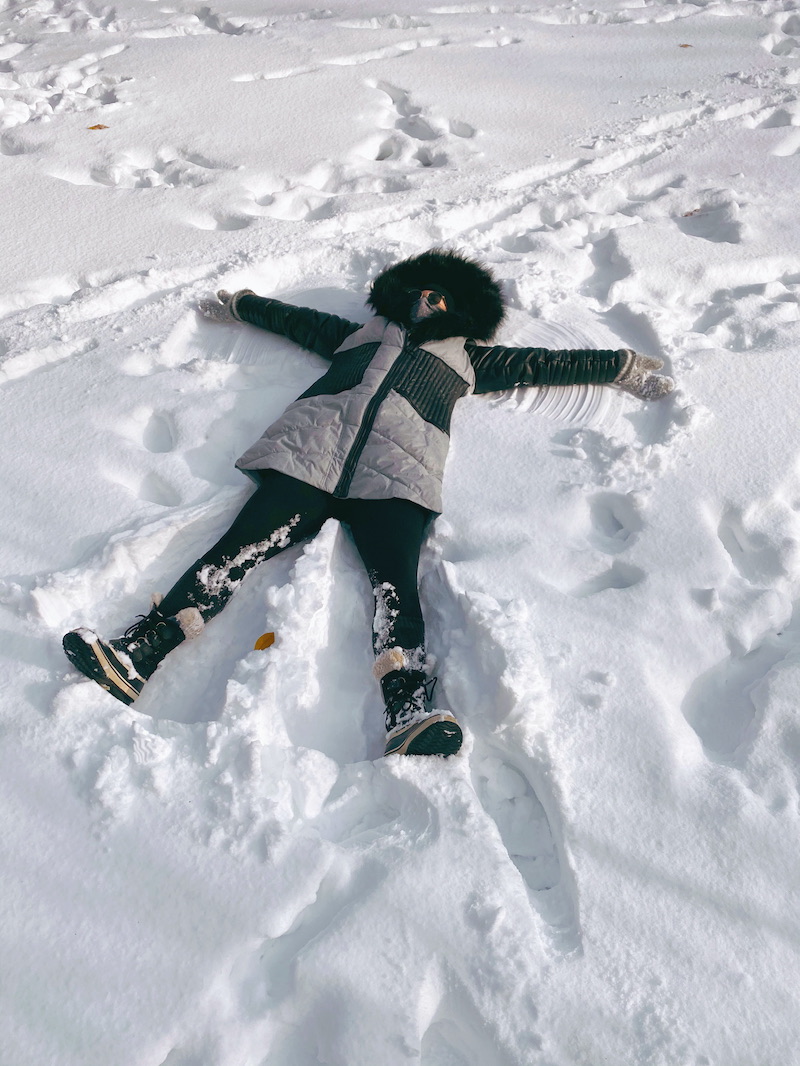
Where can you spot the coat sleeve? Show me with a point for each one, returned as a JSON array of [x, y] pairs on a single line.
[[314, 330], [498, 368]]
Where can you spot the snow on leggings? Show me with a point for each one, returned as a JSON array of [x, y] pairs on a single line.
[[284, 511]]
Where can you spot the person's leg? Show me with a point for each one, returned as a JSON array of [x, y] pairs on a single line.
[[389, 535], [281, 512]]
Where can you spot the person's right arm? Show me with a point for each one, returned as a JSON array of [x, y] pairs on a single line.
[[313, 330]]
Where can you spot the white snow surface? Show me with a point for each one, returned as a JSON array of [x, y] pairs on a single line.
[[230, 874]]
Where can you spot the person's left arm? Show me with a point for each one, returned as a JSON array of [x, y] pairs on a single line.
[[497, 368]]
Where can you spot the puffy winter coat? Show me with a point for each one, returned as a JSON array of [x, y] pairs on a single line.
[[376, 425]]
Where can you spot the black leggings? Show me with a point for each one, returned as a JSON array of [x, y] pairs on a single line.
[[283, 511]]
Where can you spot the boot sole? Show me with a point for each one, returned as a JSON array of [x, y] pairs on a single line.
[[438, 735], [97, 661]]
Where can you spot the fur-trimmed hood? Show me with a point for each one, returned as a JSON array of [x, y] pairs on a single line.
[[478, 303]]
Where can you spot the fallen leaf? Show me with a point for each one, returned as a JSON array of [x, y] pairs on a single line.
[[685, 46], [264, 641], [99, 126]]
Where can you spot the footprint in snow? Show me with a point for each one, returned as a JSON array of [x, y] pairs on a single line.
[[155, 489], [79, 86], [787, 115], [756, 557], [153, 430], [718, 223], [490, 675], [782, 44], [719, 705], [145, 170], [225, 221], [749, 317], [151, 488], [413, 137], [26, 140], [268, 975], [510, 800], [789, 146], [159, 433], [619, 576], [610, 266], [615, 521], [453, 1031], [762, 546], [610, 522]]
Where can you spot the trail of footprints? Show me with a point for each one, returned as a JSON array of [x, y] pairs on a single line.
[[143, 171], [29, 96], [414, 135], [409, 138]]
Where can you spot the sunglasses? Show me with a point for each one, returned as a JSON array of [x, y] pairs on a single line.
[[433, 297]]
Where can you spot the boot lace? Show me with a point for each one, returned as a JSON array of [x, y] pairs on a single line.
[[146, 629], [416, 700]]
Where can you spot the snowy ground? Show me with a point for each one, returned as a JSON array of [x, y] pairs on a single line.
[[609, 875]]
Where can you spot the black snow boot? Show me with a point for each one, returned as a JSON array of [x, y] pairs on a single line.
[[121, 666], [412, 727]]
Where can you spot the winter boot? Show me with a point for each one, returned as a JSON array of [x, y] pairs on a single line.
[[412, 728], [121, 666]]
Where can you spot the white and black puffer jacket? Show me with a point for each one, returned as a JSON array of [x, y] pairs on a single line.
[[376, 425]]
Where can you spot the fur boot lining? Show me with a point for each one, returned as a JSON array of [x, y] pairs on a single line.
[[388, 660], [191, 622]]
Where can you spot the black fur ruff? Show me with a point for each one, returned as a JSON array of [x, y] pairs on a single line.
[[478, 300]]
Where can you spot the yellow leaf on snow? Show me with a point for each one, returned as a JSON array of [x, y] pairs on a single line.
[[264, 641], [99, 126]]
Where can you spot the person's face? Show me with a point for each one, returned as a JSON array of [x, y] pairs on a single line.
[[426, 302]]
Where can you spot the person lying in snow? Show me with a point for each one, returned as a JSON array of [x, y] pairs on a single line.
[[366, 444]]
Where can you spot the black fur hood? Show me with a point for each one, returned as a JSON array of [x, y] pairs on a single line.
[[478, 303]]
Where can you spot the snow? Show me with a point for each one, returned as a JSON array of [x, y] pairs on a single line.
[[228, 873]]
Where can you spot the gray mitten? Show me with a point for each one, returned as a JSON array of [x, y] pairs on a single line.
[[637, 377], [222, 308]]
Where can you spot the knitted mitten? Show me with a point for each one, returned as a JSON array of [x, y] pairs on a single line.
[[222, 307], [637, 377]]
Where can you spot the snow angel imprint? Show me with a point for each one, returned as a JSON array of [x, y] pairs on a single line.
[[365, 444]]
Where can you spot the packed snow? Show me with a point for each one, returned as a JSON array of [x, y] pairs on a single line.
[[228, 873]]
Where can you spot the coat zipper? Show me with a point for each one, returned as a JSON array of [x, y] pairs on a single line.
[[364, 430]]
